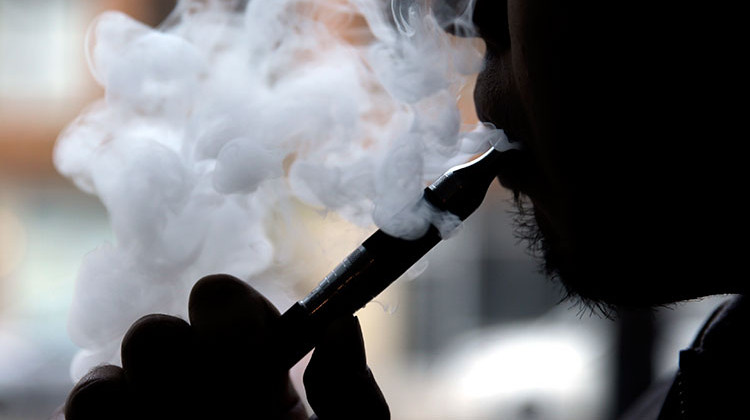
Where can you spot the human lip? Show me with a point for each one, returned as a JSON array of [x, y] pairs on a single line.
[[514, 169]]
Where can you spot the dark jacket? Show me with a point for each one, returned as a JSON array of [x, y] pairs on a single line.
[[712, 380]]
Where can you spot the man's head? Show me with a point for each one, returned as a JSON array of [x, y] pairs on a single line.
[[623, 118]]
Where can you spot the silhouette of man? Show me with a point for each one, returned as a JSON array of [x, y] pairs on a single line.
[[629, 182]]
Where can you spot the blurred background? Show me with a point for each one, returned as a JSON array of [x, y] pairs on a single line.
[[479, 335]]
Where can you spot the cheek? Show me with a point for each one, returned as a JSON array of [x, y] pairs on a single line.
[[535, 60], [540, 76]]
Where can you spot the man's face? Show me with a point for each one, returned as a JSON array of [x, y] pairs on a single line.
[[519, 90], [592, 101]]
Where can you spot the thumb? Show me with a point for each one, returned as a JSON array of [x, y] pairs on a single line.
[[338, 383]]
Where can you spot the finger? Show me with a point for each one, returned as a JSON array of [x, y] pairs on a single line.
[[232, 322], [229, 314], [155, 349], [101, 394], [338, 383], [156, 358]]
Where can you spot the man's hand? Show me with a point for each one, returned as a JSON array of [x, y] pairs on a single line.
[[220, 366]]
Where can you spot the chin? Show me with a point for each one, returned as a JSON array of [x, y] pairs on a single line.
[[602, 277], [608, 279]]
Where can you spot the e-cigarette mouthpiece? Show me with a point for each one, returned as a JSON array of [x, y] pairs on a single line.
[[381, 259]]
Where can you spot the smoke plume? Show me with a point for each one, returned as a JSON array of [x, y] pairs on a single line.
[[219, 125]]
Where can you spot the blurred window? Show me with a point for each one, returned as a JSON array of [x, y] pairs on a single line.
[[39, 55]]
